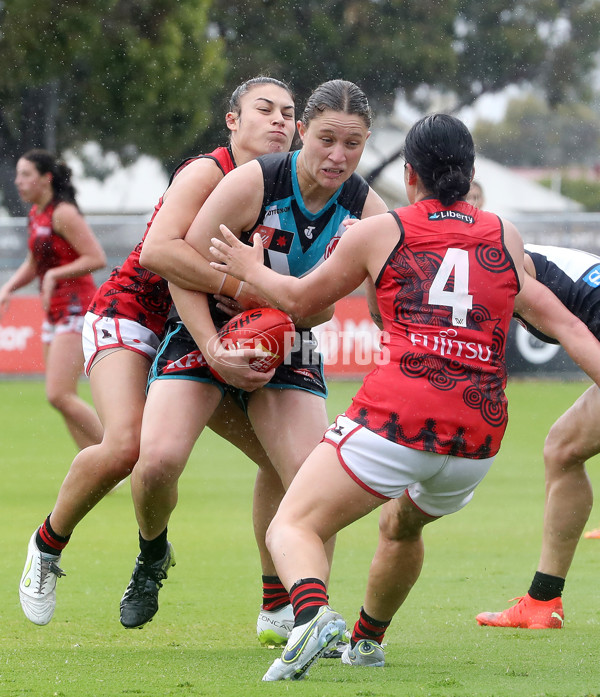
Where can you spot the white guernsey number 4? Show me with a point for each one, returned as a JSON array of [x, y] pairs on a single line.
[[455, 261]]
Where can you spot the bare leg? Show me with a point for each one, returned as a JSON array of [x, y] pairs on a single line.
[[64, 364], [398, 559], [288, 446], [118, 385], [231, 423], [321, 500], [573, 439], [176, 412]]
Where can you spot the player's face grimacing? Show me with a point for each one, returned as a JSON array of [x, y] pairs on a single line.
[[266, 122], [333, 143]]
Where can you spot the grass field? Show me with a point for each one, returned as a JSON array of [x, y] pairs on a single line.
[[202, 642]]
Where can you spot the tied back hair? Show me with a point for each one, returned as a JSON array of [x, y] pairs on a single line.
[[338, 95], [46, 163], [235, 100], [440, 149]]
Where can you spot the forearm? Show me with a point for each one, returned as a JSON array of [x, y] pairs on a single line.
[[582, 347], [180, 264], [23, 276], [316, 319], [78, 267], [193, 309]]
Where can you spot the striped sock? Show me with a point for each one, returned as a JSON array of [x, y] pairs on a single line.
[[307, 596], [368, 628], [48, 541], [275, 596]]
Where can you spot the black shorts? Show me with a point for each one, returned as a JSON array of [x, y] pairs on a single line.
[[179, 358]]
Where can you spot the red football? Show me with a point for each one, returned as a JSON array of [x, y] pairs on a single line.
[[266, 328]]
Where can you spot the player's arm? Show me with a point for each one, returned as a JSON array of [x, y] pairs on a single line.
[[541, 308], [337, 276], [68, 222], [165, 252], [193, 309], [24, 275]]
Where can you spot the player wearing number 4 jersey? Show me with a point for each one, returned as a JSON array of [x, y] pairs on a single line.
[[424, 428]]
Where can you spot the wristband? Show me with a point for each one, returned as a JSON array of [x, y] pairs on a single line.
[[239, 290], [230, 286]]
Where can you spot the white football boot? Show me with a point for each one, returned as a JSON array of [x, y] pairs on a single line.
[[273, 627], [306, 644], [37, 590]]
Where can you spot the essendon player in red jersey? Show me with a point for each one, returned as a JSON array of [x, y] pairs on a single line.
[[123, 328], [423, 429], [63, 252]]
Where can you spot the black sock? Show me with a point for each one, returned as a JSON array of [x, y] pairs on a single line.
[[153, 550], [546, 587]]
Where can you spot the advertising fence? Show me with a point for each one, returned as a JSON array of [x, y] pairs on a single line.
[[349, 343]]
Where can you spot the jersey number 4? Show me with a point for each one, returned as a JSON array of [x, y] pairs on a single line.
[[455, 263]]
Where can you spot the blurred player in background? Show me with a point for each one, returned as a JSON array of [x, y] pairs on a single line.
[[63, 251], [475, 196]]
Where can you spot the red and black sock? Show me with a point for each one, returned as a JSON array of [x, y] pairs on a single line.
[[48, 541], [307, 596], [275, 595], [368, 628]]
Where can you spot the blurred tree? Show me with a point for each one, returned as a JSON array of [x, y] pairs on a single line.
[[534, 135], [423, 48], [551, 45], [382, 45], [154, 75], [132, 74]]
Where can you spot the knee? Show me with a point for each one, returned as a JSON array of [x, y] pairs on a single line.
[[560, 453], [397, 523], [155, 471], [59, 399]]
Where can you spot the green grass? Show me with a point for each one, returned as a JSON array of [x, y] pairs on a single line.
[[202, 642]]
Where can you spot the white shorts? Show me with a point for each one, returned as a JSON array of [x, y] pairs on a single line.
[[101, 333], [72, 324], [436, 484]]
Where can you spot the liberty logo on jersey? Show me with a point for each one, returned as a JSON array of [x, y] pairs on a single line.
[[592, 277], [452, 215], [274, 239]]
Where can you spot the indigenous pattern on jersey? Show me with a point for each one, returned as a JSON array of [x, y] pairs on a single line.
[[296, 241], [132, 292], [574, 277], [446, 297], [71, 296]]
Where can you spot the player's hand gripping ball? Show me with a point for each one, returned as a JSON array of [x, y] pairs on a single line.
[[266, 328]]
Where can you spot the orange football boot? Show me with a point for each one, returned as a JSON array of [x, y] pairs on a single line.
[[592, 534], [527, 614]]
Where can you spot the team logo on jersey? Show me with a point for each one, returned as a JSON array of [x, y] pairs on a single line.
[[308, 231], [274, 239], [331, 245], [592, 277], [452, 215]]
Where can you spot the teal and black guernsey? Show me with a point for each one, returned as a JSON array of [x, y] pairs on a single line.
[[296, 241]]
